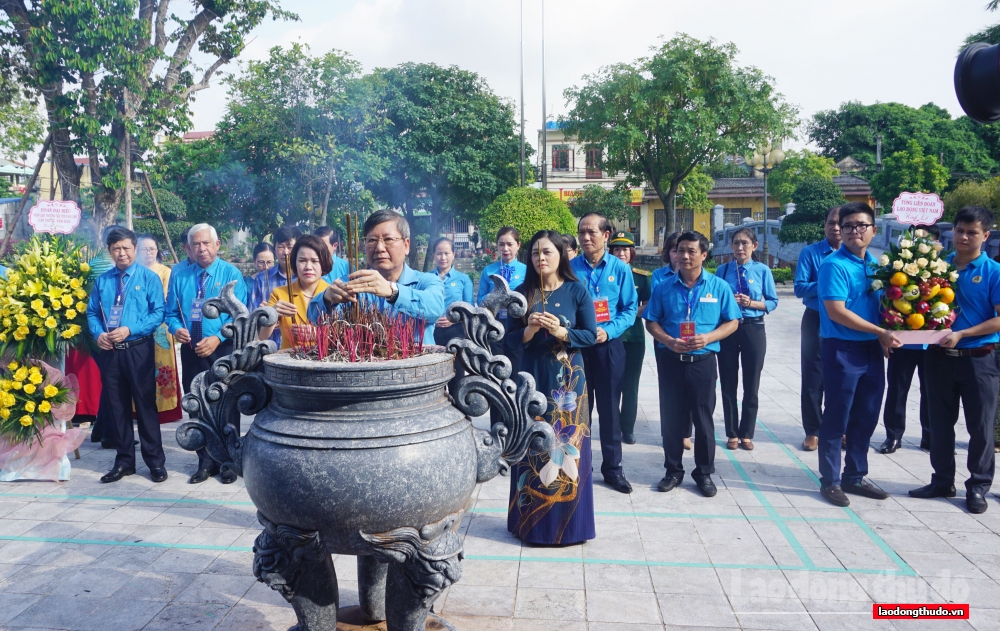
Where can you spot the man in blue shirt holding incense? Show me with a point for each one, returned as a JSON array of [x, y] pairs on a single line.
[[688, 314], [125, 308], [389, 281], [854, 346], [810, 355], [963, 369], [616, 304], [200, 338]]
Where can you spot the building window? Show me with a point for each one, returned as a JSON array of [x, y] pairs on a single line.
[[735, 216], [562, 158], [595, 161]]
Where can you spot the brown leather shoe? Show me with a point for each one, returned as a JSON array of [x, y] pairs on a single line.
[[732, 443], [811, 443], [747, 444], [688, 444]]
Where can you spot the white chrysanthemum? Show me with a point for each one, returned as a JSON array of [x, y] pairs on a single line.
[[897, 265], [905, 254], [922, 262], [884, 260], [921, 233], [905, 243], [923, 248], [911, 269], [937, 246]]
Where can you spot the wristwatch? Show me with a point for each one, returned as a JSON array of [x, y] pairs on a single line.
[[395, 292]]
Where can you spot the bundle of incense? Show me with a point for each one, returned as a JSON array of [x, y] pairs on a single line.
[[180, 310], [104, 318], [288, 285], [267, 282]]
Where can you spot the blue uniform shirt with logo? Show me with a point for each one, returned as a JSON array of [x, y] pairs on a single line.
[[184, 287], [457, 287], [263, 284], [976, 293], [711, 303], [844, 277], [753, 279], [807, 272], [340, 269], [141, 300], [660, 275], [421, 295], [610, 279], [514, 273]]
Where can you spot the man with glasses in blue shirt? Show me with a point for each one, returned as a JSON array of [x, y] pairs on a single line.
[[125, 308], [810, 355], [616, 304], [687, 315], [963, 369], [854, 348], [200, 338]]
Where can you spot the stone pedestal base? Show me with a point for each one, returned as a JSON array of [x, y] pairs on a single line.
[[350, 619]]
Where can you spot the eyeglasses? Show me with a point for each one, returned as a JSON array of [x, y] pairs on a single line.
[[859, 228], [372, 242]]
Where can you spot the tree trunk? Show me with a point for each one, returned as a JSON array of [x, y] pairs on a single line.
[[66, 170], [667, 198], [326, 195]]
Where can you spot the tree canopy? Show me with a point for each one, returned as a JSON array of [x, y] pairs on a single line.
[[614, 203], [798, 166], [972, 193], [111, 68], [529, 210], [813, 197], [687, 104], [22, 127], [908, 170]]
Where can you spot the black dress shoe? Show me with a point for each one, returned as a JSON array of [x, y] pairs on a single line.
[[228, 477], [200, 476], [865, 489], [706, 486], [628, 439], [835, 495], [975, 502], [158, 474], [932, 490], [669, 483], [117, 473], [619, 483], [889, 446]]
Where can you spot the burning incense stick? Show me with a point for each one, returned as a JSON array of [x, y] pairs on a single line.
[[104, 318], [288, 285], [180, 310]]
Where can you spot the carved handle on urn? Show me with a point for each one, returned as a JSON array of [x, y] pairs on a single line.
[[488, 384], [232, 386]]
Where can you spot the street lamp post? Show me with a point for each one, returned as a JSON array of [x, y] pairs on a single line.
[[766, 160]]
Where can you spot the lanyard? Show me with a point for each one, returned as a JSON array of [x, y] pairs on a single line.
[[595, 278], [691, 297]]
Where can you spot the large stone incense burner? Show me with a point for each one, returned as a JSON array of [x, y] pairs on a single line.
[[371, 459]]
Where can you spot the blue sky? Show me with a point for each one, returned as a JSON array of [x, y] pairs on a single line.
[[819, 53]]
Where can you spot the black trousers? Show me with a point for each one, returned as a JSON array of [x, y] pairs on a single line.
[[898, 377], [690, 388], [191, 365], [635, 352], [129, 375], [604, 365], [102, 422], [746, 347], [973, 381], [812, 373], [661, 355]]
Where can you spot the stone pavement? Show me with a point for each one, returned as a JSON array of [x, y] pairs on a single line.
[[766, 553]]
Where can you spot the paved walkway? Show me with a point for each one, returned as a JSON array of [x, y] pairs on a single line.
[[766, 553]]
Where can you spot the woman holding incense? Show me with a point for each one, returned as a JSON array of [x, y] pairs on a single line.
[[310, 260], [168, 385], [551, 494]]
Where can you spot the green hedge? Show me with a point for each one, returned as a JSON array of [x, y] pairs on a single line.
[[782, 275], [529, 210], [152, 226]]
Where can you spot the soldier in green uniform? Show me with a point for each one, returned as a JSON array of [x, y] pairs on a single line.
[[634, 338]]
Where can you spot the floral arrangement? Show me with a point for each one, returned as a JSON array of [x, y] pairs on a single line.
[[28, 399], [43, 300], [918, 285]]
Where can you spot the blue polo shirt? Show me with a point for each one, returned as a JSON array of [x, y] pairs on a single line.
[[457, 287], [711, 301], [263, 284], [753, 279], [421, 295], [3, 272], [807, 272], [141, 300], [514, 273], [184, 289], [339, 270], [844, 276], [976, 292], [660, 275], [611, 279]]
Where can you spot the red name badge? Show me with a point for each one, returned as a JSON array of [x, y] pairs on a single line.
[[687, 330], [602, 311]]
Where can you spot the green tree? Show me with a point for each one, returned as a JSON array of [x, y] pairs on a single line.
[[972, 193], [112, 70], [529, 210], [451, 144], [687, 104], [696, 187], [798, 166], [171, 207], [990, 34], [614, 203], [22, 127], [908, 170], [853, 130], [813, 197]]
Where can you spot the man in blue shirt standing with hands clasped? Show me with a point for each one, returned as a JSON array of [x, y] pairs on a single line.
[[125, 307], [201, 340], [616, 303], [853, 358], [963, 369]]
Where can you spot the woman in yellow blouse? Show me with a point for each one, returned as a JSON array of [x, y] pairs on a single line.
[[168, 389], [311, 261]]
